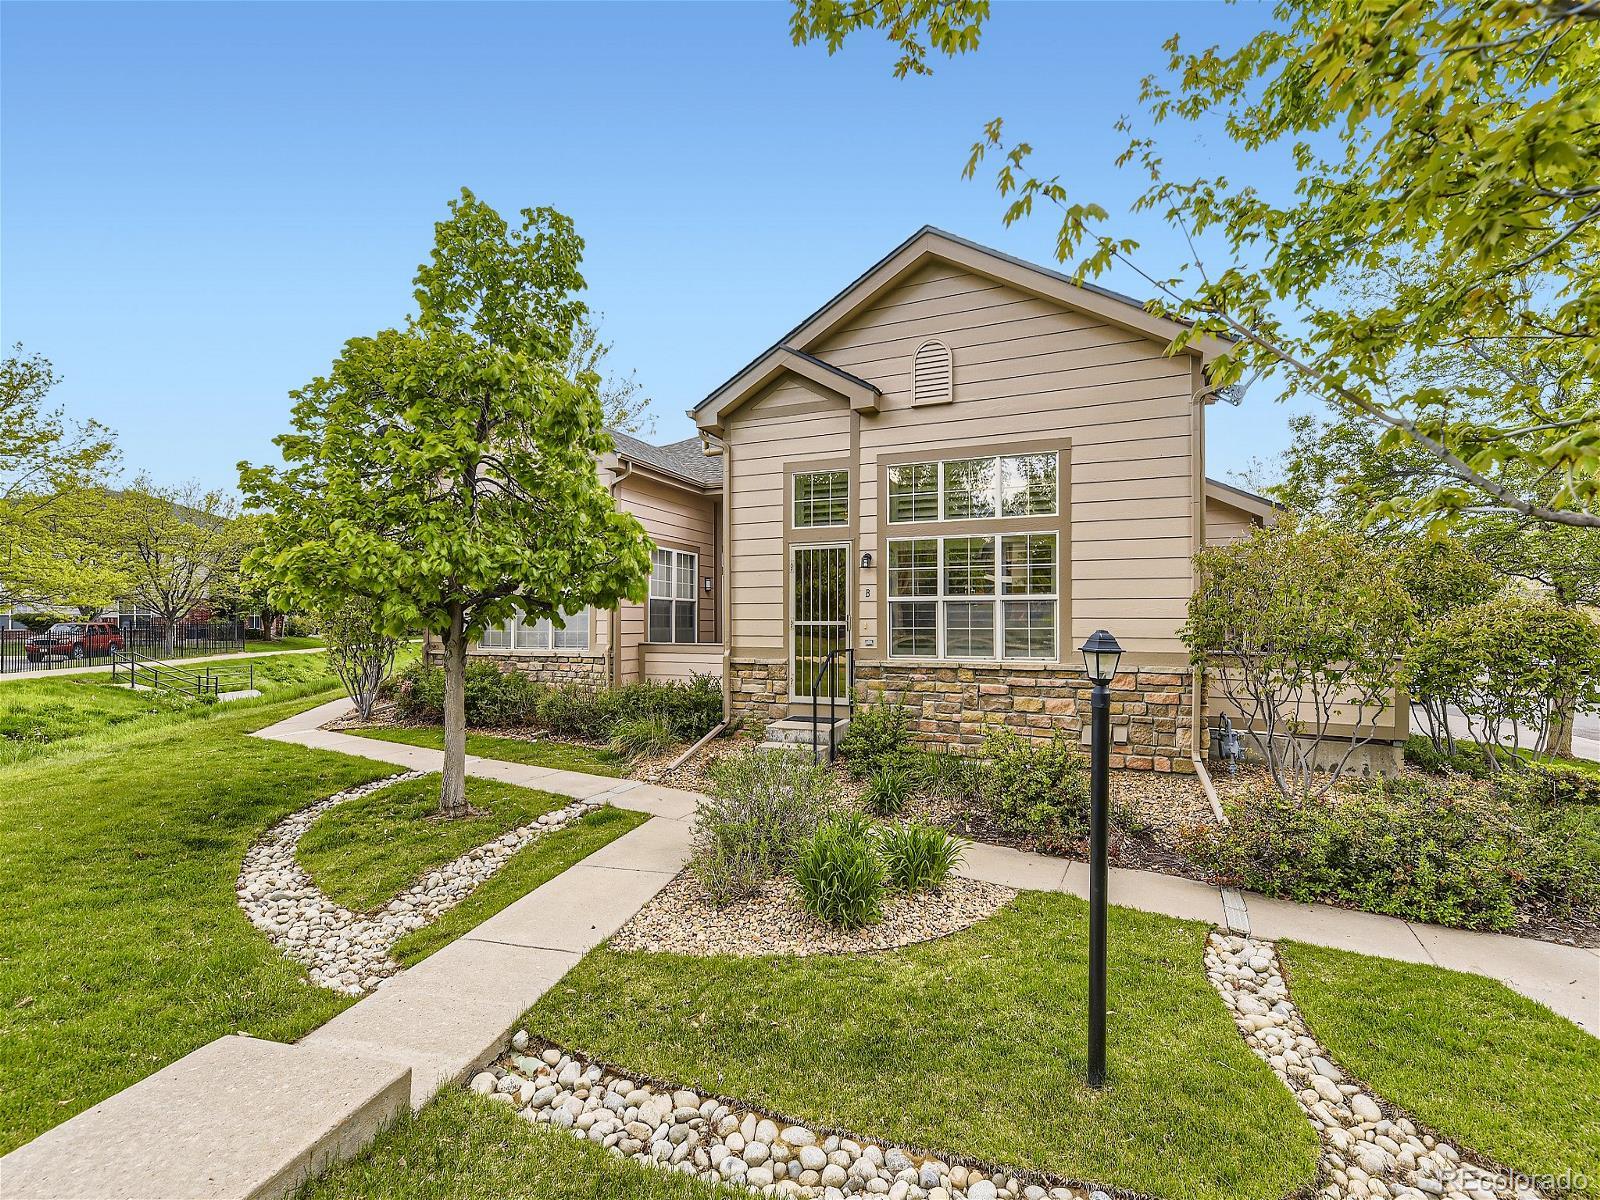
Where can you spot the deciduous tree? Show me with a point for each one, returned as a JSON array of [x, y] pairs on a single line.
[[446, 472], [179, 546]]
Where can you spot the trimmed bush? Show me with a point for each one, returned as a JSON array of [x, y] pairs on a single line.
[[1438, 850], [879, 736], [497, 698], [839, 873], [888, 792], [917, 856], [1040, 788], [763, 806]]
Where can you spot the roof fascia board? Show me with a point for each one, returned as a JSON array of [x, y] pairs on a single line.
[[1256, 506], [781, 360]]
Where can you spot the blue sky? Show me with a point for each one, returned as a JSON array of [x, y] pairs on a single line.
[[203, 201]]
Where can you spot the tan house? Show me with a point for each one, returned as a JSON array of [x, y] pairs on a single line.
[[947, 476]]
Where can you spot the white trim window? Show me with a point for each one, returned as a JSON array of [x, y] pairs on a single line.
[[544, 634], [672, 613], [955, 597], [821, 499], [975, 489]]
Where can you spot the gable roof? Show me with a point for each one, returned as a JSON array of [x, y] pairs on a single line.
[[1257, 506], [686, 460], [931, 244]]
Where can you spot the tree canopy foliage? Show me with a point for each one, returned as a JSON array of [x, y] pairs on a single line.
[[1446, 203], [446, 471]]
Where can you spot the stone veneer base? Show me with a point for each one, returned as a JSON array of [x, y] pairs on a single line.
[[955, 705]]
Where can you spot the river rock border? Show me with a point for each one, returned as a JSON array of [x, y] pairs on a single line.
[[345, 951], [676, 1129], [1368, 1147]]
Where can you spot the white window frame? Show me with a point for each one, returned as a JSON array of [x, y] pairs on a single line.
[[673, 595], [538, 637], [998, 597], [998, 496], [794, 499]]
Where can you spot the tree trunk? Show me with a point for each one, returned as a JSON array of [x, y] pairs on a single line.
[[453, 789], [1558, 737]]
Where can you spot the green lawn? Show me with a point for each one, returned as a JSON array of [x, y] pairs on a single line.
[[562, 756], [368, 850], [37, 714], [122, 946], [462, 1147], [973, 1044], [1465, 1054]]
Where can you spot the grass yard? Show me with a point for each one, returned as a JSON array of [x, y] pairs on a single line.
[[1465, 1054], [561, 756], [973, 1044], [38, 714], [366, 851], [461, 1147], [122, 946]]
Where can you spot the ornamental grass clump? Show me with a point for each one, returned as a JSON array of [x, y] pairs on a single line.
[[888, 792], [840, 875], [917, 856], [762, 807], [646, 734]]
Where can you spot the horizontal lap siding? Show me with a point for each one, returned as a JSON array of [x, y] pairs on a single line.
[[1225, 523], [763, 437], [684, 521], [1027, 369]]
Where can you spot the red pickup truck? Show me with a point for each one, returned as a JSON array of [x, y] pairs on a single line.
[[75, 639]]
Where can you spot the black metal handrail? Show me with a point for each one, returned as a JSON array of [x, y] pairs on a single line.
[[824, 672], [187, 679]]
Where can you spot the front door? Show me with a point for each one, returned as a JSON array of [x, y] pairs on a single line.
[[819, 589]]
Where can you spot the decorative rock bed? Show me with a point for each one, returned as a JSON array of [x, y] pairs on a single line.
[[680, 920], [1368, 1149], [349, 952], [674, 1129]]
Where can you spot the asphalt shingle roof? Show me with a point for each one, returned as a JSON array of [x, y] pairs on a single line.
[[685, 459]]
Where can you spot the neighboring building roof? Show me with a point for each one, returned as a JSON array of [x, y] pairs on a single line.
[[686, 460], [929, 243], [1257, 506]]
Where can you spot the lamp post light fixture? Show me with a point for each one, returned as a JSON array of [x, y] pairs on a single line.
[[1100, 655]]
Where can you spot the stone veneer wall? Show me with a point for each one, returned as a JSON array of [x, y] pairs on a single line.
[[952, 705], [582, 669]]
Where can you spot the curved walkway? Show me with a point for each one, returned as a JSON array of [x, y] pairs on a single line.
[[1566, 979]]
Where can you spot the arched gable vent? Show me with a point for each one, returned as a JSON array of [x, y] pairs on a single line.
[[932, 374]]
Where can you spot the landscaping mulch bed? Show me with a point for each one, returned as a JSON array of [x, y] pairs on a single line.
[[681, 920]]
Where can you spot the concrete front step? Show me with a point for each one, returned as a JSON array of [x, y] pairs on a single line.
[[238, 1118], [801, 731]]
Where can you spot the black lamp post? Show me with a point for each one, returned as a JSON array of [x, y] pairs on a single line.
[[1100, 655]]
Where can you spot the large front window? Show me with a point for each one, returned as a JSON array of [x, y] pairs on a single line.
[[974, 489], [570, 633], [989, 596], [673, 611]]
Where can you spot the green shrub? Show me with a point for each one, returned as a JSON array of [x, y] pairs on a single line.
[[1562, 783], [763, 805], [1421, 753], [1438, 850], [839, 873], [879, 736], [648, 734], [888, 792], [917, 856], [1040, 788], [494, 698], [569, 711]]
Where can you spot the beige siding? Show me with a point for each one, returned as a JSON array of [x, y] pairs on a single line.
[[764, 437], [680, 519], [1026, 370], [1225, 523], [681, 663]]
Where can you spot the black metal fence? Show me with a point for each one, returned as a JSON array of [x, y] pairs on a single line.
[[93, 643]]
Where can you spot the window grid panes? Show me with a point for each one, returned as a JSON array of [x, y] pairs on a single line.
[[947, 599], [672, 613], [974, 489], [821, 499], [521, 634]]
